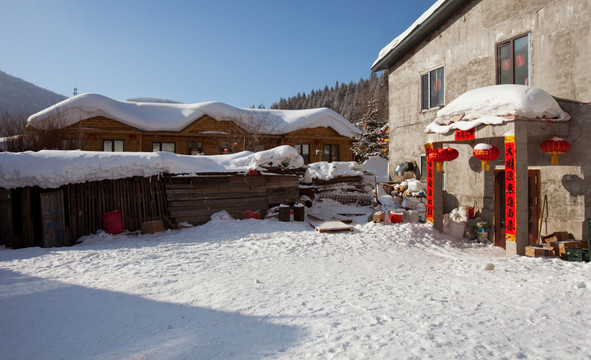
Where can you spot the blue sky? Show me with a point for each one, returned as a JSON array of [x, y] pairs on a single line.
[[243, 53]]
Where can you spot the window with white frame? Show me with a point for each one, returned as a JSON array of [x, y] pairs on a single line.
[[432, 88], [304, 150], [112, 145], [163, 146]]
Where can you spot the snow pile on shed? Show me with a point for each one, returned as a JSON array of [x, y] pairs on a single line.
[[495, 105], [54, 168]]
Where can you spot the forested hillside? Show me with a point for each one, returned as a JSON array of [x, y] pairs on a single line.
[[350, 100]]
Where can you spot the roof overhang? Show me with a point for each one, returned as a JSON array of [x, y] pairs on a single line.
[[438, 14]]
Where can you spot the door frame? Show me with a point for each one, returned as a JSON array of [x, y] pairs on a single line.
[[533, 177]]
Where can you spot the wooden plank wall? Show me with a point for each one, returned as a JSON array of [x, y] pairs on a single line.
[[170, 199], [195, 199], [139, 199]]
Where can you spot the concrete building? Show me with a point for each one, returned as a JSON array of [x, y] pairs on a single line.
[[460, 45]]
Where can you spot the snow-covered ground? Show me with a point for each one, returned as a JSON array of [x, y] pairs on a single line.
[[252, 289]]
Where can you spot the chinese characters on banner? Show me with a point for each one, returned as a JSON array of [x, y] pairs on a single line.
[[463, 135], [510, 206], [430, 169]]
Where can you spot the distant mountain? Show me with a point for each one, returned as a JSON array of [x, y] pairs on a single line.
[[19, 98]]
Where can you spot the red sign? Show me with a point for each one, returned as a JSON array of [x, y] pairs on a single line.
[[463, 135], [430, 170], [510, 189]]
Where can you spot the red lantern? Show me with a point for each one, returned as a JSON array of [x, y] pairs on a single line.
[[440, 155], [555, 146], [506, 64], [486, 153]]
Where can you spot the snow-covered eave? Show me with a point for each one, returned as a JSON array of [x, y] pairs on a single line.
[[176, 117], [429, 21], [435, 128]]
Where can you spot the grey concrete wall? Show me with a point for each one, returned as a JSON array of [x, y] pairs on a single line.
[[560, 63]]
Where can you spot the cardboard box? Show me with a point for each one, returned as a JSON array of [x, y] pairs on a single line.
[[539, 251], [151, 227], [379, 216], [561, 246], [555, 236]]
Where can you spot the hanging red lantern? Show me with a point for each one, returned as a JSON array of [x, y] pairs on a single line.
[[555, 146], [506, 64], [486, 153], [442, 154]]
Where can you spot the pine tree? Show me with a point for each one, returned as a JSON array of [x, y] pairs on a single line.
[[369, 142]]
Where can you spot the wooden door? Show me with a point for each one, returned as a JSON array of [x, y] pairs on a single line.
[[533, 200], [52, 218]]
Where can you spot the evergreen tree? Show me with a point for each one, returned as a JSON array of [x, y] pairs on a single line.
[[369, 142]]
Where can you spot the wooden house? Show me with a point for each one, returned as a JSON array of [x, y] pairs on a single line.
[[96, 123], [460, 46]]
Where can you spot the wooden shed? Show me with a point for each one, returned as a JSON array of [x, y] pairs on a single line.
[[33, 216]]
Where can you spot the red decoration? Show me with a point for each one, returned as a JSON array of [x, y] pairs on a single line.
[[430, 209], [437, 85], [132, 137], [506, 64], [226, 150], [555, 146], [235, 144], [520, 60], [486, 153], [463, 135], [510, 189], [92, 137], [442, 154]]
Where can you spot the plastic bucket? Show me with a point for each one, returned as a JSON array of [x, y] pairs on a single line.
[[284, 213], [395, 217], [113, 222], [456, 229], [298, 213]]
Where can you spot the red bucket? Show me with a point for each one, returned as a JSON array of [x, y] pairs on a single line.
[[113, 222], [395, 218]]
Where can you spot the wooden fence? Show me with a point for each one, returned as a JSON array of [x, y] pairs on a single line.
[[59, 217]]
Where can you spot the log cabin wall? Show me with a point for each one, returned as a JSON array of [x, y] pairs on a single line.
[[205, 135]]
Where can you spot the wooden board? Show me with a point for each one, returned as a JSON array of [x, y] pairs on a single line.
[[331, 225]]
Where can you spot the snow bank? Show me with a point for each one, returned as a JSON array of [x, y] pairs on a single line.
[[265, 289], [378, 167], [327, 171], [494, 105], [54, 168], [175, 116]]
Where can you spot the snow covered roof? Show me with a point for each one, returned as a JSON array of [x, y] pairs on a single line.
[[494, 105], [54, 168], [175, 117], [438, 13]]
